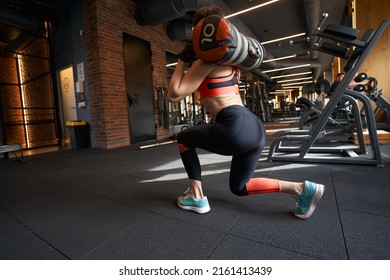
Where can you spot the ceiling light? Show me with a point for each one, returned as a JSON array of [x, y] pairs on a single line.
[[283, 38], [286, 68], [250, 9], [171, 64], [291, 75], [299, 83], [279, 91], [289, 88], [280, 58], [294, 80]]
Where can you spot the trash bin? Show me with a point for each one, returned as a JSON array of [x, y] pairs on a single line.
[[79, 134]]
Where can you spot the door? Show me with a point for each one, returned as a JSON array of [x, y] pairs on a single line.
[[68, 100], [139, 89]]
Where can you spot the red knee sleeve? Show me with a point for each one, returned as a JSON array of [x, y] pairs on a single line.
[[262, 185], [183, 148]]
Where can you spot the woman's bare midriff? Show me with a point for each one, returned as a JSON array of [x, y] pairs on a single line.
[[215, 104]]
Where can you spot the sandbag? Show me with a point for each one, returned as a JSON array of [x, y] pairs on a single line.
[[218, 41]]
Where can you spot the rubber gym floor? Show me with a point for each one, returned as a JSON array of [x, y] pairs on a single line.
[[121, 204]]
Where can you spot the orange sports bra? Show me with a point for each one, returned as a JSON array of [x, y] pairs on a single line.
[[211, 87]]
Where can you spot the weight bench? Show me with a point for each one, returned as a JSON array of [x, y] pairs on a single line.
[[12, 148]]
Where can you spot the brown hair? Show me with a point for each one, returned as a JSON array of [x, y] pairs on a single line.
[[205, 12]]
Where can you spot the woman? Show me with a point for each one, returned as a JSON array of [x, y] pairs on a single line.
[[235, 131]]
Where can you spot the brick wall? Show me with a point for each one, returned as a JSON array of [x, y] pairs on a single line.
[[105, 21], [27, 103], [11, 102]]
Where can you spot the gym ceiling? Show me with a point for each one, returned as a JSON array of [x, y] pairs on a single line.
[[278, 19]]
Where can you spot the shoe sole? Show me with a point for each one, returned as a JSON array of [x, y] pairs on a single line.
[[313, 202], [199, 210]]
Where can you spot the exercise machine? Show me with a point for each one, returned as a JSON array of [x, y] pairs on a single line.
[[382, 105], [301, 146], [256, 99], [343, 117], [340, 121]]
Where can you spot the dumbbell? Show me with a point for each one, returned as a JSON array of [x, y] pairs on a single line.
[[360, 88], [369, 87], [361, 77], [372, 84]]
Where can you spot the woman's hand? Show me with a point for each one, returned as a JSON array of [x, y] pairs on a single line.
[[187, 54]]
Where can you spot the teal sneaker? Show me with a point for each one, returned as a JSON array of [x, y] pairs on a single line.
[[189, 202], [308, 199]]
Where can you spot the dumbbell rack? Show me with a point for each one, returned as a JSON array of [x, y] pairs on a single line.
[[298, 146]]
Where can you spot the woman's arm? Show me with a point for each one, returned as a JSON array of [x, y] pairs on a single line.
[[183, 84]]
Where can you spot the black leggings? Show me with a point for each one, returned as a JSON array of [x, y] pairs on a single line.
[[236, 132]]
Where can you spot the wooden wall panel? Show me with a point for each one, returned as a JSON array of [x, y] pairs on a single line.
[[369, 14]]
